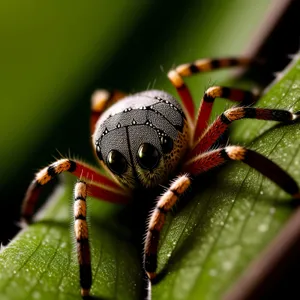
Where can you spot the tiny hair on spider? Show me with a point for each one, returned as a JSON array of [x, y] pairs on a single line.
[[149, 139]]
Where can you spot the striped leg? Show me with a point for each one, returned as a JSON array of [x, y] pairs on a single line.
[[211, 159], [201, 65], [100, 101], [157, 220], [218, 127], [206, 105], [82, 237], [101, 186]]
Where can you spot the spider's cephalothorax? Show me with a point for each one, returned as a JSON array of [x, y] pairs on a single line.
[[144, 139]]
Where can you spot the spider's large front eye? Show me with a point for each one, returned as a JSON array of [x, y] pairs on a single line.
[[116, 162], [148, 156]]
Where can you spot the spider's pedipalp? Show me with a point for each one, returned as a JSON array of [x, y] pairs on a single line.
[[81, 235], [211, 159], [157, 219], [218, 127]]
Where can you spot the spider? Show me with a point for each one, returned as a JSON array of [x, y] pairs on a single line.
[[148, 139]]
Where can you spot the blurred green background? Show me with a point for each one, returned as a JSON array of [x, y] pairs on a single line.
[[53, 54]]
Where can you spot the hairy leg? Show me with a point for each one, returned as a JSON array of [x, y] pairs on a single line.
[[202, 65], [157, 220], [209, 160], [101, 186], [82, 237], [100, 101], [218, 127], [206, 105]]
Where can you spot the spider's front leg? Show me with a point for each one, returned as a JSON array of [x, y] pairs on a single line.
[[100, 187], [157, 220], [82, 237]]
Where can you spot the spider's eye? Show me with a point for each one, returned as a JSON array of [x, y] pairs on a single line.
[[98, 152], [166, 144], [148, 156], [116, 162]]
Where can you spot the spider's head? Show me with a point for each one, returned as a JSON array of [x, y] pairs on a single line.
[[142, 138]]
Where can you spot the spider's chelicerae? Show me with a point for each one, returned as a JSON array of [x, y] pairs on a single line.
[[147, 139]]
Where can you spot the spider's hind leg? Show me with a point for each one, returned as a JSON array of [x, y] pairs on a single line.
[[211, 159], [100, 101], [243, 97], [219, 126], [201, 65]]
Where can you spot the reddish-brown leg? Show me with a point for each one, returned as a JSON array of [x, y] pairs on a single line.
[[209, 160], [100, 101], [202, 65], [82, 237], [237, 95], [100, 185], [195, 166], [157, 219], [218, 127]]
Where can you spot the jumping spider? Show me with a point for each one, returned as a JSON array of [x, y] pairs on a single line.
[[146, 139]]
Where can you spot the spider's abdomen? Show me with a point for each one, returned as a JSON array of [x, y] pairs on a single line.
[[142, 138]]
